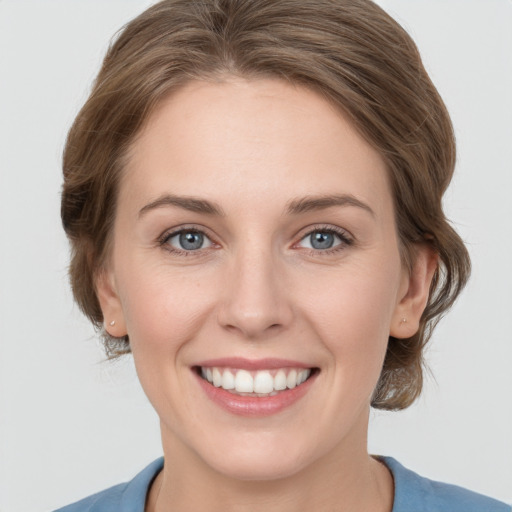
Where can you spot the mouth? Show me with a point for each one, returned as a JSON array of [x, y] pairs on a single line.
[[255, 388], [255, 383]]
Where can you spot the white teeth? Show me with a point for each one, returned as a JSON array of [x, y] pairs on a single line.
[[228, 380], [244, 382], [261, 382], [291, 380], [302, 376], [280, 381], [217, 377]]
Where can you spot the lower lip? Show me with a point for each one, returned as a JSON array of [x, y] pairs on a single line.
[[252, 405]]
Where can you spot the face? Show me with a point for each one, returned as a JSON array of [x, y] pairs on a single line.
[[255, 268]]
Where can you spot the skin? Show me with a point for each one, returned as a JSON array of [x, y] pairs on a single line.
[[258, 289]]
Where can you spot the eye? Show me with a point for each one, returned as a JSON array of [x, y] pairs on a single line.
[[324, 239], [188, 240]]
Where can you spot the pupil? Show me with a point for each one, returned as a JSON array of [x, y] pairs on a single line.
[[191, 241], [322, 240]]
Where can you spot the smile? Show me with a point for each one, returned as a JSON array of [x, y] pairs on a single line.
[[254, 388], [260, 383]]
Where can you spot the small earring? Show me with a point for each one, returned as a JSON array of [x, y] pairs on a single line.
[[403, 321], [112, 323]]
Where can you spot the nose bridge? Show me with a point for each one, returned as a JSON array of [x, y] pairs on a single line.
[[255, 299]]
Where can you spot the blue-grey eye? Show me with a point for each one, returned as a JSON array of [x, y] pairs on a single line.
[[189, 241], [321, 240]]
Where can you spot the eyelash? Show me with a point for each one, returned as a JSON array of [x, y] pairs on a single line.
[[165, 237], [345, 240]]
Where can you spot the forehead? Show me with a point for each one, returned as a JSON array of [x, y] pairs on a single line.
[[264, 139]]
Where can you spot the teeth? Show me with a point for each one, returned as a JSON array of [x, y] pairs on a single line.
[[262, 382], [217, 377], [291, 380], [305, 374], [228, 380], [280, 381], [244, 383]]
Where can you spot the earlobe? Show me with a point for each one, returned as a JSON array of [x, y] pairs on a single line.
[[414, 293], [110, 303]]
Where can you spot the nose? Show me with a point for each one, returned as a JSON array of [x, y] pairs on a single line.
[[256, 302]]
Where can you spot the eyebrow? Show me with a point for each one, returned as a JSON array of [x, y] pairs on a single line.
[[312, 203], [295, 206], [192, 204]]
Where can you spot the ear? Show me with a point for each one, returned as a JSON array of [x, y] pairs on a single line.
[[110, 303], [414, 293]]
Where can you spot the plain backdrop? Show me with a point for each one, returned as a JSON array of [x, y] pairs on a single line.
[[72, 424]]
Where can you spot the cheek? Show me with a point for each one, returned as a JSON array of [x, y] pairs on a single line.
[[353, 316], [163, 311], [163, 308], [360, 300]]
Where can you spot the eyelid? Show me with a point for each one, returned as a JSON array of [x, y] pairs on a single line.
[[205, 240], [162, 240], [346, 238]]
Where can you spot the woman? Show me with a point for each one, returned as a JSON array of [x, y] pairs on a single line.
[[253, 197]]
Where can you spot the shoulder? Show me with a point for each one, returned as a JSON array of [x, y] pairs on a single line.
[[414, 492], [127, 497], [107, 500]]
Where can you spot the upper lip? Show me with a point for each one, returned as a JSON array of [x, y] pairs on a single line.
[[242, 363]]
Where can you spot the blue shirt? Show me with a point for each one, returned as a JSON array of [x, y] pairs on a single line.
[[413, 493]]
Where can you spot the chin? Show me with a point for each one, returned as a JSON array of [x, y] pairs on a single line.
[[251, 466], [259, 456]]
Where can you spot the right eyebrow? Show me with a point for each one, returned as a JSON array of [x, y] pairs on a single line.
[[191, 204], [311, 203]]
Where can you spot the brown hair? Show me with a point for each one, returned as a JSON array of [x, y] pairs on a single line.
[[351, 52]]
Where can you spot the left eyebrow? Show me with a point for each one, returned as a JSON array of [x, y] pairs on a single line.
[[311, 203], [191, 204]]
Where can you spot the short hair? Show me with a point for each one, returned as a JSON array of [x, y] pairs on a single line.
[[349, 51]]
